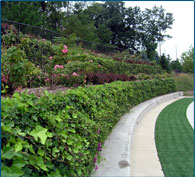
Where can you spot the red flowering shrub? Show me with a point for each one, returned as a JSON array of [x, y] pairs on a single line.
[[99, 78]]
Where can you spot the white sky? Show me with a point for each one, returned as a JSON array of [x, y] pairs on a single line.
[[182, 31]]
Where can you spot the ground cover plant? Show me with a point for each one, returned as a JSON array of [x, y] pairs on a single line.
[[175, 140], [62, 134]]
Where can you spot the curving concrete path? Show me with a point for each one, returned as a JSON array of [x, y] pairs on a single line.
[[190, 114], [144, 158], [116, 152]]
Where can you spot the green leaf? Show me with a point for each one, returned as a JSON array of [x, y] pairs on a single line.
[[7, 153], [55, 174], [58, 118], [31, 149], [10, 172], [55, 150], [16, 95], [6, 128], [6, 172], [68, 157], [41, 152], [41, 164], [19, 162], [63, 133], [76, 150], [79, 145], [70, 142], [39, 132], [18, 147]]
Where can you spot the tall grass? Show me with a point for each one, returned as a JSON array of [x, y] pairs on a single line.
[[184, 82]]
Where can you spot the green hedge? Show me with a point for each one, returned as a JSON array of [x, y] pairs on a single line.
[[56, 135], [88, 63]]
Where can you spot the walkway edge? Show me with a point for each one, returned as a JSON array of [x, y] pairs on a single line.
[[116, 151]]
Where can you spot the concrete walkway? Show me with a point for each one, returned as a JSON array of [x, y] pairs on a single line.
[[144, 158], [116, 152], [190, 114]]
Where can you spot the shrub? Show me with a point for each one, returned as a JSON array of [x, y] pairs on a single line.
[[16, 69], [37, 51], [60, 134], [98, 78], [8, 35], [87, 63]]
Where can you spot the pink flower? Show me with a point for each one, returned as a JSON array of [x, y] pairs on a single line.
[[99, 65], [96, 167], [65, 51], [75, 74], [50, 57], [94, 161], [43, 39], [98, 131], [58, 66], [85, 81], [99, 146], [4, 78], [65, 46], [47, 80], [38, 77]]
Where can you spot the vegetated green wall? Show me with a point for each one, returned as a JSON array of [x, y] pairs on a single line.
[[56, 135]]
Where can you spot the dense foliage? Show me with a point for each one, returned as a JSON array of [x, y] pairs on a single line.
[[187, 60], [61, 135], [108, 23], [32, 62]]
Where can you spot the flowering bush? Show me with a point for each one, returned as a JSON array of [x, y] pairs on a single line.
[[54, 70]]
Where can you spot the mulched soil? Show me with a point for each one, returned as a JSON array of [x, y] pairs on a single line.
[[40, 90]]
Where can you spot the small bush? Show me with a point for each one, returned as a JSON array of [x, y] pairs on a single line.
[[37, 51], [16, 69], [61, 134]]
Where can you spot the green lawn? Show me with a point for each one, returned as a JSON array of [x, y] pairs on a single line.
[[175, 140]]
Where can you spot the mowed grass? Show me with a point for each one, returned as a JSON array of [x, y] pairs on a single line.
[[174, 138]]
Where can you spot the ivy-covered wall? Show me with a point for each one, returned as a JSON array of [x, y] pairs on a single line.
[[62, 134]]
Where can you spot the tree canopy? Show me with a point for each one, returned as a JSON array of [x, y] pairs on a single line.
[[109, 23], [187, 60]]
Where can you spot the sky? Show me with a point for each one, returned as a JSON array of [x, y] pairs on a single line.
[[182, 31]]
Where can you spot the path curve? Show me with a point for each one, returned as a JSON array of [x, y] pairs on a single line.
[[144, 158], [190, 114], [117, 147]]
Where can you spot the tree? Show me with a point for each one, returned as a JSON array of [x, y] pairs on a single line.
[[165, 62], [187, 60], [176, 66], [23, 12], [154, 24], [46, 14], [132, 28]]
